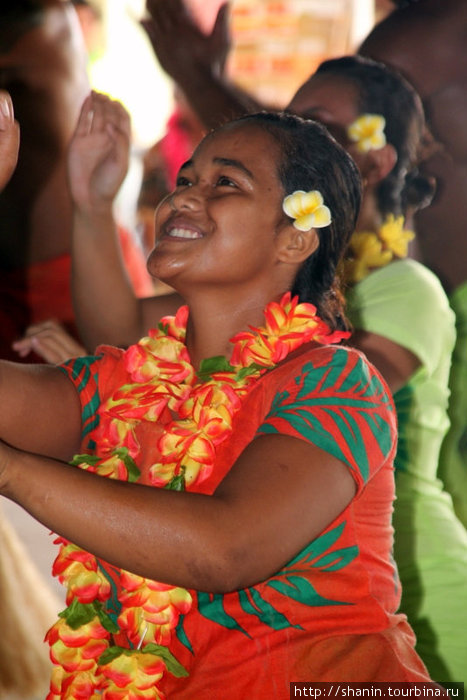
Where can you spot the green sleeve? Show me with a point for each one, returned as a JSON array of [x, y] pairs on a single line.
[[405, 303]]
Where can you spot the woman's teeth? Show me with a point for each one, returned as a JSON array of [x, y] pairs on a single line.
[[183, 233]]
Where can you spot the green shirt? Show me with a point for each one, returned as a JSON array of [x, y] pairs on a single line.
[[405, 303]]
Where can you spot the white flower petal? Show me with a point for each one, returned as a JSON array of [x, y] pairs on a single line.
[[322, 217], [292, 204], [305, 222], [312, 200]]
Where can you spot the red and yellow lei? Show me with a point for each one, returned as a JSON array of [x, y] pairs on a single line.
[[98, 657]]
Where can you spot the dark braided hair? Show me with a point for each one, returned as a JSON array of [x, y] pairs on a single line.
[[311, 159], [383, 91]]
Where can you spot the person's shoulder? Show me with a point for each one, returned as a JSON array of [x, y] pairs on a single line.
[[339, 366], [337, 400], [405, 291], [415, 278], [411, 21], [419, 279], [101, 366]]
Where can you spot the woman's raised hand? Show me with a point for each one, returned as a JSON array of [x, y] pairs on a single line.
[[179, 43], [99, 153], [9, 138], [49, 340]]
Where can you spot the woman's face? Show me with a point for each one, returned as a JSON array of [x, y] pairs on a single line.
[[331, 100], [220, 224]]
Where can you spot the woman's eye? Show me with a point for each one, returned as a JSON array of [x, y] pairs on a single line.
[[182, 181], [224, 181]]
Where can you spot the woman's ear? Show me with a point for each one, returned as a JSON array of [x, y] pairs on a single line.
[[377, 164], [294, 246]]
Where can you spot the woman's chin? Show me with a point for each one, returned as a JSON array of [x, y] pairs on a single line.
[[162, 268]]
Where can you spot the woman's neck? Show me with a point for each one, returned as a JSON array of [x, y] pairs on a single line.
[[214, 320], [369, 218]]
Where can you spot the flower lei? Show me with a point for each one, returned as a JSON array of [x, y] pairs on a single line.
[[100, 657], [369, 250]]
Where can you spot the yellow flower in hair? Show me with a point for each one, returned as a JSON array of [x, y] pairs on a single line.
[[308, 210], [395, 236], [368, 132]]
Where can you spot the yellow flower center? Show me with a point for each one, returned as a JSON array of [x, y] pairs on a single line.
[[367, 132]]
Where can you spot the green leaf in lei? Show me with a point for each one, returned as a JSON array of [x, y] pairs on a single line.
[[177, 483], [121, 452], [251, 369], [78, 614], [173, 666], [133, 471], [210, 365], [90, 460]]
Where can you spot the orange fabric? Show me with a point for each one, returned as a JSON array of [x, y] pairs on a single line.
[[330, 613], [42, 291], [29, 295], [135, 264]]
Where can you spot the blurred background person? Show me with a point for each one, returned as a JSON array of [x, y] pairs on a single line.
[[425, 40], [27, 606], [43, 64]]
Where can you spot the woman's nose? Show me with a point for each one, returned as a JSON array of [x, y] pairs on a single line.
[[186, 198]]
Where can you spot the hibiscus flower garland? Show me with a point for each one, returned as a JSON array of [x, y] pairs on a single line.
[[96, 655]]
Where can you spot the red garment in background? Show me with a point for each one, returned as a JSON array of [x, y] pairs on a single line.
[[42, 291]]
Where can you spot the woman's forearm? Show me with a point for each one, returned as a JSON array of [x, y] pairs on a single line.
[[159, 534], [216, 543], [106, 308], [214, 98]]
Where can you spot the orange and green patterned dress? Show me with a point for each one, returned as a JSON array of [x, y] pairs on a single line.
[[330, 614]]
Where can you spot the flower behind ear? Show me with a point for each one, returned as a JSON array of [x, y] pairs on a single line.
[[307, 209], [368, 132]]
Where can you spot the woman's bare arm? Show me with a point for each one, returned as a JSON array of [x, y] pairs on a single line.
[[107, 310], [396, 363], [40, 409], [195, 61], [281, 493]]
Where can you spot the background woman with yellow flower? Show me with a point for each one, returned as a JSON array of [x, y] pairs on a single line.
[[402, 321]]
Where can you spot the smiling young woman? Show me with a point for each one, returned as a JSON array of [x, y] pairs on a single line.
[[385, 301], [223, 224], [242, 536]]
